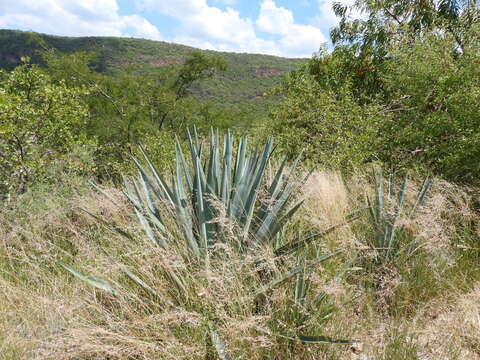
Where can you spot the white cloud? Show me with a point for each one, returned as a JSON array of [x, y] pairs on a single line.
[[273, 19], [274, 32], [294, 39], [327, 18], [204, 24], [74, 18], [210, 27], [139, 27]]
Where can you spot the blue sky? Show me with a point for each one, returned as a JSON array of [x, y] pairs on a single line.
[[291, 28]]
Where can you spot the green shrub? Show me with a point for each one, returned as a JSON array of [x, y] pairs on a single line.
[[40, 122], [221, 214]]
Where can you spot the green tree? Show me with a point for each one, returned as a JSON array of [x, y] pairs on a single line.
[[332, 128], [434, 94], [196, 67], [40, 121], [386, 21], [128, 108]]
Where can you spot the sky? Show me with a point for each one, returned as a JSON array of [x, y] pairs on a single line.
[[289, 28]]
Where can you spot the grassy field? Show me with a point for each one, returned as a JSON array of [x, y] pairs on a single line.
[[420, 304]]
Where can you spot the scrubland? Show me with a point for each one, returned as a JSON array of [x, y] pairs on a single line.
[[421, 303]]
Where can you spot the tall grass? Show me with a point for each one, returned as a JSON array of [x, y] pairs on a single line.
[[427, 306]]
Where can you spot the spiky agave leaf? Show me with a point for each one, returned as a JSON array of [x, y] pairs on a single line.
[[386, 222], [217, 343], [91, 280], [293, 272], [225, 174]]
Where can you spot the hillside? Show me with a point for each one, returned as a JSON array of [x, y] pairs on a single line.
[[246, 79]]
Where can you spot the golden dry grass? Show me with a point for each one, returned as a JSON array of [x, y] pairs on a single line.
[[45, 313]]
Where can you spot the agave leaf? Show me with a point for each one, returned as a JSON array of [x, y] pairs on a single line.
[[194, 188], [180, 159], [149, 231], [148, 197], [235, 208], [217, 343], [390, 184], [108, 224], [91, 280], [253, 188], [291, 273], [200, 209], [225, 189], [293, 246], [161, 184], [183, 213], [273, 190], [273, 227], [421, 196], [371, 209], [379, 198], [104, 193], [321, 340], [178, 281], [312, 339], [146, 287], [301, 287], [401, 193]]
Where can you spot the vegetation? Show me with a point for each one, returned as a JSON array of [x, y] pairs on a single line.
[[39, 123], [136, 222], [400, 87], [242, 84]]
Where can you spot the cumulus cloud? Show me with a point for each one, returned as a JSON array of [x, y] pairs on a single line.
[[326, 19], [201, 24], [209, 27], [74, 18], [294, 39]]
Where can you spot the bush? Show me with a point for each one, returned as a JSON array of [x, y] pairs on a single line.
[[40, 122]]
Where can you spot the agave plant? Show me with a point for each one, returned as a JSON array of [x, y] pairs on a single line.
[[227, 181], [386, 210]]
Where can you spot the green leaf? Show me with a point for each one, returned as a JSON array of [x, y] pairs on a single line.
[[293, 246], [291, 273], [217, 343], [91, 280], [146, 287]]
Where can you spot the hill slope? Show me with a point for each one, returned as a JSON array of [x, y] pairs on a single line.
[[246, 79]]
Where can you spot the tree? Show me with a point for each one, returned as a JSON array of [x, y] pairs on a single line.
[[387, 21], [196, 67], [332, 128], [39, 122], [401, 86], [129, 107], [434, 94]]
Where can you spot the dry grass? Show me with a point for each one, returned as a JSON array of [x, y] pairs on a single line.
[[427, 306]]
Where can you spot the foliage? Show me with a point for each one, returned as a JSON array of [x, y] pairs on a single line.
[[418, 106], [434, 93], [334, 130], [224, 184], [196, 67], [381, 23], [62, 316], [217, 203], [387, 210], [40, 122], [240, 86], [131, 108]]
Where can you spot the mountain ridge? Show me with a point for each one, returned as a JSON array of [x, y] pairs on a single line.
[[247, 76]]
